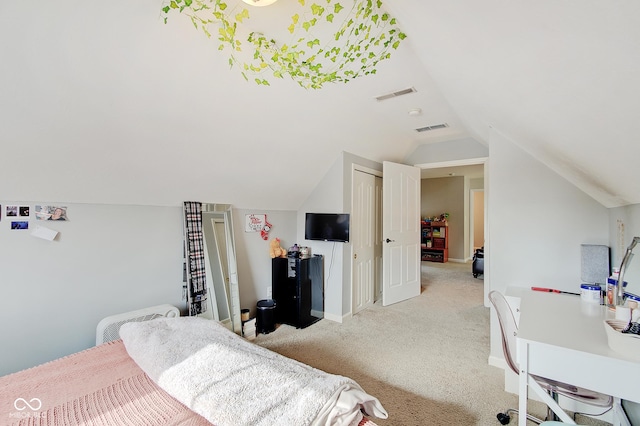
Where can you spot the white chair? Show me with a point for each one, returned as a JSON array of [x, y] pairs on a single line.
[[509, 330]]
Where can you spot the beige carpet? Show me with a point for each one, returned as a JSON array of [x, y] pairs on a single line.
[[425, 358]]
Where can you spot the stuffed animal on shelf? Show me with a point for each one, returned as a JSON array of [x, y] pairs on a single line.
[[275, 250]]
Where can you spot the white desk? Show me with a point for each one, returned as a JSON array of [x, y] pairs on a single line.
[[564, 339]]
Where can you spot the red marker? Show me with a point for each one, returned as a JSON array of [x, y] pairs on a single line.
[[553, 290]]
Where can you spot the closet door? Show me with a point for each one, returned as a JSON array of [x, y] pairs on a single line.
[[363, 240]]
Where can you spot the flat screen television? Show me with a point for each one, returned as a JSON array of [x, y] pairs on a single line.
[[327, 227]]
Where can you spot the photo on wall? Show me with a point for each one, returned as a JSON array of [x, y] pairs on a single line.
[[12, 211], [51, 213], [24, 210], [19, 225]]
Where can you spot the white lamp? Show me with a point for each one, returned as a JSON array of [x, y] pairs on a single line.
[[260, 2]]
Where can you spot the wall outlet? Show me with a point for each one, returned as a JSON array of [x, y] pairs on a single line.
[[269, 292]]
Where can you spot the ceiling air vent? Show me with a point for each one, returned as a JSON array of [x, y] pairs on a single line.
[[395, 94], [434, 127]]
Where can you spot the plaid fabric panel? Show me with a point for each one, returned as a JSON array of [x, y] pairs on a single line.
[[196, 273]]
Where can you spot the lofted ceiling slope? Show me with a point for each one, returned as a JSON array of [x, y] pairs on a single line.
[[558, 78], [103, 103]]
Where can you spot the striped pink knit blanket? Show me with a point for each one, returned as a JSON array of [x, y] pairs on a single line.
[[99, 386]]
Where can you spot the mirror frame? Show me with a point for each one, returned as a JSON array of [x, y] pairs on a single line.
[[223, 295]]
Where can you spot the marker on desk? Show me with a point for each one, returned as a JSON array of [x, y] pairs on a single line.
[[553, 290]]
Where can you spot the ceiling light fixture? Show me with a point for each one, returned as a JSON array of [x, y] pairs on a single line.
[[260, 2]]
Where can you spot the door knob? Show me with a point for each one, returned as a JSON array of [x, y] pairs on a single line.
[[390, 241]]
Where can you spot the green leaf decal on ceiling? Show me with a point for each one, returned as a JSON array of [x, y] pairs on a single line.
[[334, 41]]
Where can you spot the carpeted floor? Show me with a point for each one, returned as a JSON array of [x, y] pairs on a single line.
[[425, 359]]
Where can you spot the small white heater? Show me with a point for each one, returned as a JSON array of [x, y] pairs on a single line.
[[108, 328]]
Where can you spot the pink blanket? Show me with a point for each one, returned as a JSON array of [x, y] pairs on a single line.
[[99, 386]]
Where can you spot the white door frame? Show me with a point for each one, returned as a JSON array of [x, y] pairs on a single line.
[[472, 219], [487, 223]]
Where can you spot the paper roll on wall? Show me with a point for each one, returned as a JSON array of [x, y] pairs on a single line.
[[44, 233]]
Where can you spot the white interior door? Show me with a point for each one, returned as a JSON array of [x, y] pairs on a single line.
[[362, 236], [400, 232]]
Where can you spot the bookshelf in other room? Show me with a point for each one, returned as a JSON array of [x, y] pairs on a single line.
[[435, 241]]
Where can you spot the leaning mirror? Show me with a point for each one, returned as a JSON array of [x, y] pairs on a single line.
[[211, 267]]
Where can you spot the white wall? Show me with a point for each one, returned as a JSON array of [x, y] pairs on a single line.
[[447, 151], [107, 259], [110, 259], [536, 223], [327, 198], [254, 260], [333, 195]]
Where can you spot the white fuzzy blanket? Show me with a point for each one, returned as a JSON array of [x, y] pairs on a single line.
[[233, 382]]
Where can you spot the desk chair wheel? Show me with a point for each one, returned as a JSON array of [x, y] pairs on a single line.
[[503, 418]]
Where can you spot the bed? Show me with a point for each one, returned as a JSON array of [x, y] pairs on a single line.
[[146, 378]]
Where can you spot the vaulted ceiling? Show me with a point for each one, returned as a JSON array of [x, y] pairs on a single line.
[[100, 102]]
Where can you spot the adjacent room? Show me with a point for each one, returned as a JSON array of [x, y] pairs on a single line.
[[317, 182]]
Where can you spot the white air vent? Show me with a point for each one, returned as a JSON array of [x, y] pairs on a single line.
[[108, 329], [434, 127], [395, 94]]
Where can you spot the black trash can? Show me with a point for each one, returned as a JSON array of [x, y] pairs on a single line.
[[266, 316]]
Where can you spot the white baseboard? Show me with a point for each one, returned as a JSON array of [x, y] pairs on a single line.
[[495, 361], [332, 317]]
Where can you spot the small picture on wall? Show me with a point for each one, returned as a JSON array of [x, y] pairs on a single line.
[[12, 211], [51, 213], [255, 222], [24, 210], [19, 225]]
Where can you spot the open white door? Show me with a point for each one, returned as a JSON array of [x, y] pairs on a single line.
[[401, 233]]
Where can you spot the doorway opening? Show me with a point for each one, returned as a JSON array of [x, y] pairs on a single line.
[[468, 225]]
